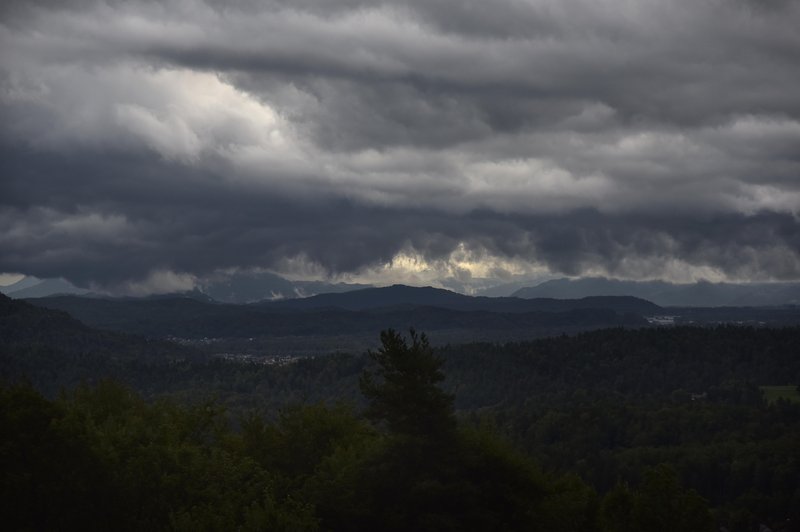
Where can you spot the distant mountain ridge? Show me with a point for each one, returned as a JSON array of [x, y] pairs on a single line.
[[268, 288], [253, 287], [189, 318], [236, 288], [394, 296], [699, 294], [33, 287], [363, 311], [333, 320]]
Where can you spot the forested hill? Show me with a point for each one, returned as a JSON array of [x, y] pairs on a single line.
[[21, 322], [191, 318], [24, 324], [410, 296], [54, 350]]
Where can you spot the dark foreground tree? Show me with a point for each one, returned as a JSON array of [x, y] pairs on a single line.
[[431, 474], [403, 391]]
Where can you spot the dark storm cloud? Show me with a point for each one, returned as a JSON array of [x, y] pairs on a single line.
[[216, 227], [654, 139]]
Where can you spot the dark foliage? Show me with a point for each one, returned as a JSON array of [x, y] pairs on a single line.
[[403, 391], [597, 411]]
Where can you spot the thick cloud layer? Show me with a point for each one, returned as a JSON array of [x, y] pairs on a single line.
[[158, 142]]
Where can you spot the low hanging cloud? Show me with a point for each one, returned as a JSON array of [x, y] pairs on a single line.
[[148, 144]]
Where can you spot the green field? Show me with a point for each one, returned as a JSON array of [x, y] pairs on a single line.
[[773, 393]]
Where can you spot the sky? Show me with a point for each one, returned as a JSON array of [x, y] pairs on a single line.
[[148, 145]]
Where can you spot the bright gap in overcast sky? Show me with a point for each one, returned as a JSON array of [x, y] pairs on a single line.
[[149, 144]]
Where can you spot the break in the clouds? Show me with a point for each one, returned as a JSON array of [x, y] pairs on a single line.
[[149, 144]]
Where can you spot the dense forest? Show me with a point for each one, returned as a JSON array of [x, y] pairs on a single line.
[[676, 428]]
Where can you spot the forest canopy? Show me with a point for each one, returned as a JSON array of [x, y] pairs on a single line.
[[587, 432]]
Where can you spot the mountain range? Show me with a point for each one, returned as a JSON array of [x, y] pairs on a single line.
[[334, 321], [270, 288], [698, 294], [364, 311], [402, 296], [252, 287], [235, 288]]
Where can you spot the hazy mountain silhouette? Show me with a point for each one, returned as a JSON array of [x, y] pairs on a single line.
[[237, 288], [32, 287], [456, 317], [699, 294], [25, 282], [252, 287]]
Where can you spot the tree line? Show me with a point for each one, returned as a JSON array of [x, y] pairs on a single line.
[[102, 457]]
